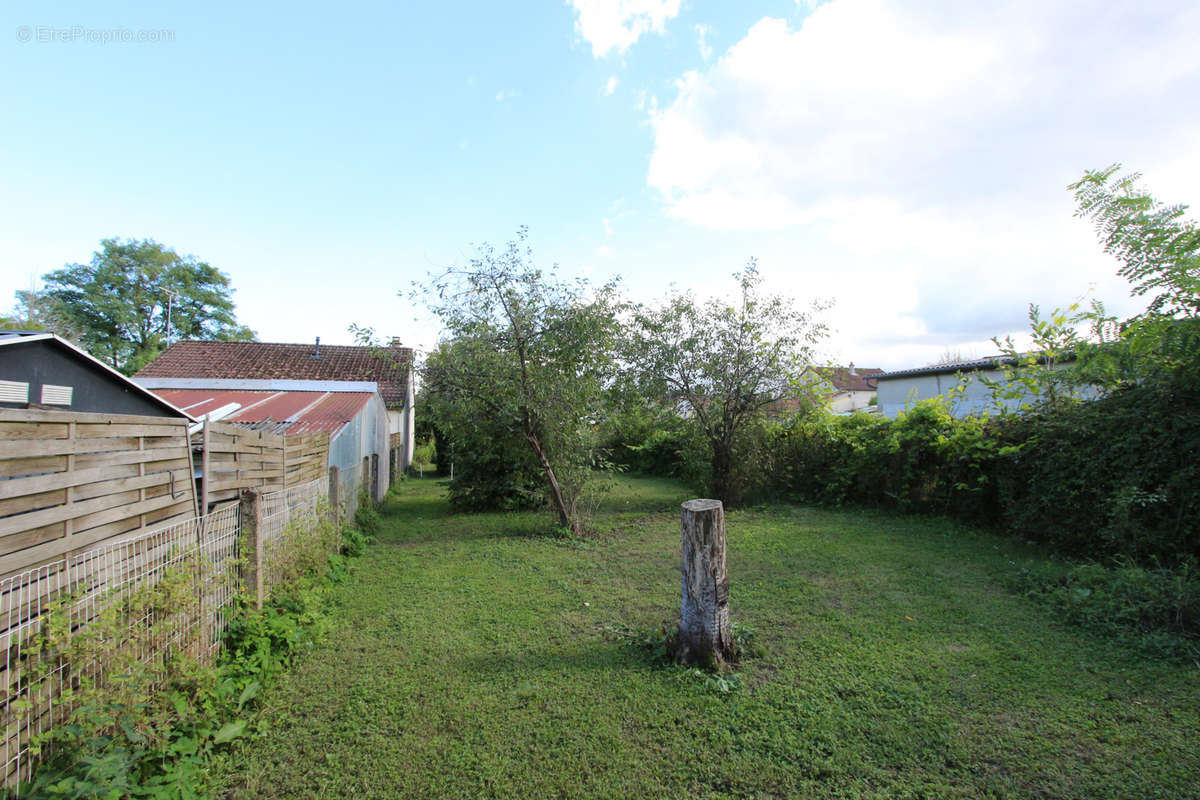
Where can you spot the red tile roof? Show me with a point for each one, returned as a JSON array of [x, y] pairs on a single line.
[[390, 367], [291, 411]]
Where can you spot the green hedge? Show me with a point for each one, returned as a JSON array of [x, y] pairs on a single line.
[[1113, 477], [1117, 476], [1109, 478]]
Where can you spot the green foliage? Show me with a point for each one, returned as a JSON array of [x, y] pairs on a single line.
[[723, 365], [493, 468], [1159, 251], [425, 454], [1153, 609], [1111, 477], [116, 306], [1158, 248], [152, 729], [525, 365], [647, 438], [366, 516]]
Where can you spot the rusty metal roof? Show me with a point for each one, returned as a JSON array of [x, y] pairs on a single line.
[[274, 411]]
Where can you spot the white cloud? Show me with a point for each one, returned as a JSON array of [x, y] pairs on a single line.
[[610, 85], [702, 32], [609, 25], [884, 97], [927, 152], [507, 94]]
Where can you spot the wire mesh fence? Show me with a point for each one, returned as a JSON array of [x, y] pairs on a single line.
[[73, 595], [298, 533]]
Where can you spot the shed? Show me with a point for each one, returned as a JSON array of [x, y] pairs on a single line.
[[902, 388], [390, 368], [41, 370], [352, 412]]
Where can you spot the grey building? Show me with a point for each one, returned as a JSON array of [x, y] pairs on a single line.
[[901, 389], [41, 370]]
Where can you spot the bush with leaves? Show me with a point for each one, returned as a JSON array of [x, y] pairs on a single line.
[[646, 438], [526, 359]]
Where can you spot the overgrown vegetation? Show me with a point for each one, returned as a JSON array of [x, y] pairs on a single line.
[[1109, 481], [898, 660], [722, 365], [153, 727], [520, 374]]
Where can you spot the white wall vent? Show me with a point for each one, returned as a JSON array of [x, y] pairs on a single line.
[[56, 395], [14, 392]]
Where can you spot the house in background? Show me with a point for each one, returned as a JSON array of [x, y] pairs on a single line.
[[389, 368], [41, 370], [902, 388], [846, 389]]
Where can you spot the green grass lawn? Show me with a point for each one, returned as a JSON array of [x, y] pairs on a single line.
[[472, 657]]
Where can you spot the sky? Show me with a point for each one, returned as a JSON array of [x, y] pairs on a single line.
[[906, 160]]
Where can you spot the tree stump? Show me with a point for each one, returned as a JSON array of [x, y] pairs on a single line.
[[704, 634]]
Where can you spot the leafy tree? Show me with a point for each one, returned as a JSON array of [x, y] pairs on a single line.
[[134, 297], [35, 311], [725, 364], [1160, 255], [1159, 250], [527, 355]]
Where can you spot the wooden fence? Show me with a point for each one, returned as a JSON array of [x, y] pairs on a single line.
[[69, 480], [234, 458], [94, 505]]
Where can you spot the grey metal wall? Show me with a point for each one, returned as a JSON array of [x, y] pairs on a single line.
[[362, 437], [44, 361], [897, 394]]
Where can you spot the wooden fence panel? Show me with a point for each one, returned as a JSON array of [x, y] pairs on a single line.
[[306, 457], [239, 458], [69, 480]]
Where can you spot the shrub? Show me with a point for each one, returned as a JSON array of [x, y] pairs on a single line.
[[1157, 610], [493, 470], [1112, 477], [647, 439]]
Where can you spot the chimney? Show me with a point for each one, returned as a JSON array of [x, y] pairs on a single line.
[[317, 349], [852, 372], [395, 341]]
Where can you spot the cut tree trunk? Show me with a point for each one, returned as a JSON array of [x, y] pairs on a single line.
[[704, 634]]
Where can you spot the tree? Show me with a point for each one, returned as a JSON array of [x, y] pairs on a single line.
[[529, 354], [1159, 250], [135, 296], [1160, 255], [725, 364]]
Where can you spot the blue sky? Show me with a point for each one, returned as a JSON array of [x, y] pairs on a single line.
[[905, 159]]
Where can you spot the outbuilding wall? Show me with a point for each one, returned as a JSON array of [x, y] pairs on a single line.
[[363, 437]]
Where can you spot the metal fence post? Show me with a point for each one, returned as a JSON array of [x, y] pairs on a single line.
[[252, 535]]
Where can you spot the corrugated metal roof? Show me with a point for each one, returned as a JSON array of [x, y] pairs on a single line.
[[278, 412], [991, 362], [956, 366]]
